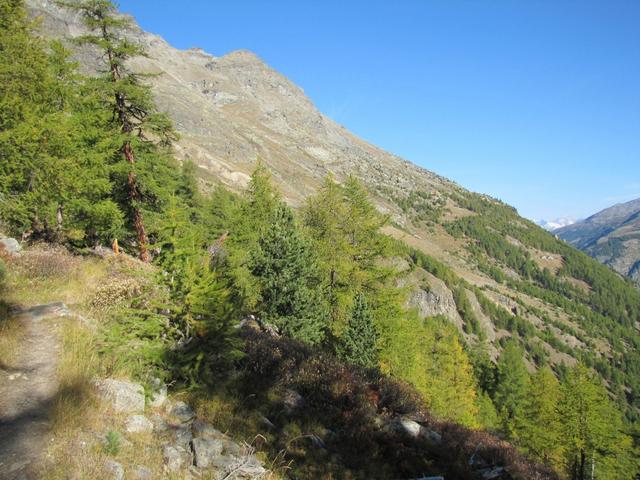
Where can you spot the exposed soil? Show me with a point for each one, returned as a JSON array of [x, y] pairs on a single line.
[[27, 391]]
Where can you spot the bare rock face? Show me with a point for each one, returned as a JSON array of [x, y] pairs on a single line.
[[437, 299]]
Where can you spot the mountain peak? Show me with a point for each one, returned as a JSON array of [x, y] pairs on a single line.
[[243, 56]]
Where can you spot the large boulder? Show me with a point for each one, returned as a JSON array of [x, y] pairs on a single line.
[[120, 395]]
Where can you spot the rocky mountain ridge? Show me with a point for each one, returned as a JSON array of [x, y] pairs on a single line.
[[611, 236]]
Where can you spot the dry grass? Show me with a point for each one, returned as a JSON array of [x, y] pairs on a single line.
[[47, 274], [11, 335], [78, 365]]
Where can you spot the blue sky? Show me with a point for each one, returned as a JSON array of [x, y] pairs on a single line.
[[533, 102]]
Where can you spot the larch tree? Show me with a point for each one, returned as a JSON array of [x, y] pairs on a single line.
[[450, 385], [54, 176], [539, 427], [511, 385], [593, 439], [142, 169]]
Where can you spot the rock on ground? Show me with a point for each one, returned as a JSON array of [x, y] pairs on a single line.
[[138, 424], [10, 245], [142, 473], [181, 413], [206, 451], [113, 470], [122, 396], [158, 393], [176, 457]]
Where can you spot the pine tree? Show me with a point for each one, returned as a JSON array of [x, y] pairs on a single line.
[[511, 387], [143, 170], [539, 426], [286, 273], [358, 344]]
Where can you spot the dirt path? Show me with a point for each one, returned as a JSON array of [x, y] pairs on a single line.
[[27, 392]]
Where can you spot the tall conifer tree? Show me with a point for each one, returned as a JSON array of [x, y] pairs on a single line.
[[287, 276], [143, 168]]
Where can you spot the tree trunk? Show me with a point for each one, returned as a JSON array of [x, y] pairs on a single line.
[[127, 150], [134, 196], [583, 461]]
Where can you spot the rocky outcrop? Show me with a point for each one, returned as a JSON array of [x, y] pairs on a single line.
[[433, 298], [189, 445], [611, 236]]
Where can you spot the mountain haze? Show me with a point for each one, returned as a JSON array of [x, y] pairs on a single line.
[[490, 272]]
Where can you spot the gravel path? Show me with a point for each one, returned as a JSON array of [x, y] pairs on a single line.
[[27, 392]]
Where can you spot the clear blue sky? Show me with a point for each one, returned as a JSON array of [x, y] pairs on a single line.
[[533, 102]]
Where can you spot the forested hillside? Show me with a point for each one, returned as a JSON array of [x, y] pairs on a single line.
[[374, 292]]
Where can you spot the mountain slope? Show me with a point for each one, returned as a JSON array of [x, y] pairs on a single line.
[[611, 236], [518, 280]]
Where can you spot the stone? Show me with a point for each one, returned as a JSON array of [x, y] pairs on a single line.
[[409, 427], [205, 451], [10, 245], [494, 473], [176, 457], [181, 413], [159, 424], [202, 429], [414, 430], [158, 393], [183, 436], [432, 437], [142, 473], [266, 422], [122, 396], [114, 470], [138, 424]]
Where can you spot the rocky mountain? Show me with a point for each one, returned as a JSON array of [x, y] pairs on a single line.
[[492, 273], [611, 236]]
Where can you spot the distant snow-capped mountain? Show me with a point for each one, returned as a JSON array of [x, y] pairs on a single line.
[[552, 225]]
